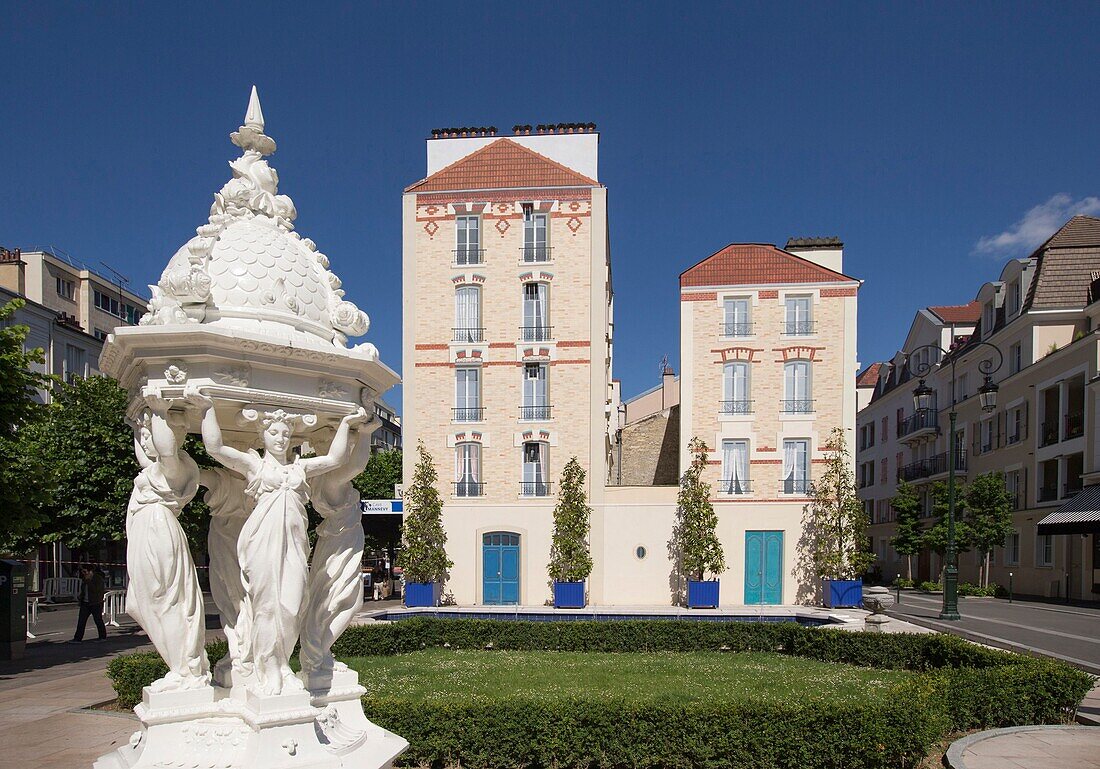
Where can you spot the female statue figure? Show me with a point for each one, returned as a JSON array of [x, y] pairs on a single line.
[[335, 589], [164, 594], [273, 548]]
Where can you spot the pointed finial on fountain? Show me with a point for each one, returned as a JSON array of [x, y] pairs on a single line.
[[250, 136]]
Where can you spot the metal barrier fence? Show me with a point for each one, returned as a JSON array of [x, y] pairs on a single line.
[[114, 604], [32, 614], [64, 588]]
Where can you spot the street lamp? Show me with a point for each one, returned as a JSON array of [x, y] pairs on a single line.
[[922, 398]]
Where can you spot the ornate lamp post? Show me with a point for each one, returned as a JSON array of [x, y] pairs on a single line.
[[922, 399]]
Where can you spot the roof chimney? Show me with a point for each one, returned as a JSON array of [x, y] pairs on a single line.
[[827, 252]]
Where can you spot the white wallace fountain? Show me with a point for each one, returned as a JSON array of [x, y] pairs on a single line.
[[246, 343]]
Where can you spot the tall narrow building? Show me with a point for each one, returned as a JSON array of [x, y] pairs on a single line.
[[507, 343]]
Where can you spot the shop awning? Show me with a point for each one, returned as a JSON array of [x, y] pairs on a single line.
[[1078, 515]]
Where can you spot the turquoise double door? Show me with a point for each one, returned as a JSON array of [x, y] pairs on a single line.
[[763, 567], [500, 568]]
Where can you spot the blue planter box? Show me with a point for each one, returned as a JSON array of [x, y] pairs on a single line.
[[422, 594], [843, 593], [568, 595], [702, 594]]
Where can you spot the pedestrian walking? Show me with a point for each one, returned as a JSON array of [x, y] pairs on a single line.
[[379, 587], [91, 602]]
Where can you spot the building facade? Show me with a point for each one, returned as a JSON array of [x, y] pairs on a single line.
[[387, 436], [768, 353], [1041, 313]]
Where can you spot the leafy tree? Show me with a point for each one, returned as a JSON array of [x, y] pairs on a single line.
[[570, 560], [935, 536], [24, 482], [909, 532], [989, 516], [695, 537], [382, 473], [423, 553], [835, 518]]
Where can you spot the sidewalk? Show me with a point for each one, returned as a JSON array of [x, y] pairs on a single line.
[[1028, 747]]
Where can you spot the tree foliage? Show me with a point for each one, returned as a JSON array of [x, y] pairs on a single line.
[[908, 536], [423, 553], [382, 473], [989, 516], [570, 560], [695, 537], [935, 536], [835, 519]]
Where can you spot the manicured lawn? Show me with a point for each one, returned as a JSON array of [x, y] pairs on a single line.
[[439, 675]]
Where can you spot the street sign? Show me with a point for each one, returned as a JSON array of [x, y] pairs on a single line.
[[381, 506]]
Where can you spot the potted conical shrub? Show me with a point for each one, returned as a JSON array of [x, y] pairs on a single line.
[[570, 560], [423, 556], [700, 552]]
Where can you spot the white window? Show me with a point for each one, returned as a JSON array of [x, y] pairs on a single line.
[[534, 470], [100, 334], [1015, 358], [799, 322], [1013, 297], [987, 319], [467, 240], [468, 470], [536, 312], [736, 317], [964, 385], [66, 289], [1012, 549], [735, 389], [75, 363], [987, 435], [1015, 427], [735, 467], [468, 315], [1044, 550], [797, 398], [536, 396], [534, 235], [796, 466], [468, 394], [1013, 487]]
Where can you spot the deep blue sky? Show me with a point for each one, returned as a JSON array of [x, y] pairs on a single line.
[[911, 132]]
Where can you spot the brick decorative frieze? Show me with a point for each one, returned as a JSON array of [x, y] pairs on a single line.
[[769, 294], [826, 292], [797, 352], [702, 296], [726, 354]]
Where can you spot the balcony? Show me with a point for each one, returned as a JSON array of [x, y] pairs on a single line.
[[534, 254], [1070, 490], [1047, 494], [534, 413], [469, 489], [799, 327], [1048, 433], [1075, 425], [466, 414], [536, 333], [534, 489], [734, 486], [926, 468], [467, 256], [795, 486], [735, 329], [920, 423], [468, 334], [735, 407], [796, 406]]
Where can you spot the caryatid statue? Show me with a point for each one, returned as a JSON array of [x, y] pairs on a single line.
[[335, 589], [273, 547], [164, 594]]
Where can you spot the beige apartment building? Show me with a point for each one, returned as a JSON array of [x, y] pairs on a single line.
[[1042, 313]]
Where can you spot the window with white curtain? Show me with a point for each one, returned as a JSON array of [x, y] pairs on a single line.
[[735, 467], [468, 470], [534, 470], [534, 235], [735, 313], [536, 396], [467, 240], [797, 398], [735, 388], [797, 313], [536, 312], [75, 363], [796, 466], [468, 314], [468, 394]]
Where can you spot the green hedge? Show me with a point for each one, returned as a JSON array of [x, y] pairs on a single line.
[[960, 686]]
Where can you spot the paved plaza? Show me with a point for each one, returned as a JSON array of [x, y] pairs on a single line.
[[1028, 747]]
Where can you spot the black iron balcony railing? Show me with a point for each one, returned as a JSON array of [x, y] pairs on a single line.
[[469, 334], [799, 327], [534, 489], [924, 468], [469, 488], [1048, 493], [1069, 490], [536, 333], [469, 255], [736, 329], [1048, 432], [469, 414], [734, 486], [987, 446], [528, 413], [1012, 439], [795, 486], [921, 419], [535, 253], [735, 407], [1075, 425], [796, 406]]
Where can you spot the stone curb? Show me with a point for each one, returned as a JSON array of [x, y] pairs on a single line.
[[953, 758]]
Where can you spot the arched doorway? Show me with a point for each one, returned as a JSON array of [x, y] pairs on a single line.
[[500, 568]]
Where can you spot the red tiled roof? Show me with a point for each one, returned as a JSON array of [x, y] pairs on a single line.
[[958, 313], [751, 264], [502, 164], [869, 376]]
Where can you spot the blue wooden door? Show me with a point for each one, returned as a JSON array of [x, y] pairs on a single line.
[[763, 567], [500, 568]]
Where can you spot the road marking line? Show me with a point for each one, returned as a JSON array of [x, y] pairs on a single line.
[[1026, 605]]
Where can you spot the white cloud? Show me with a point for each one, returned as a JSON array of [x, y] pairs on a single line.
[[1034, 227]]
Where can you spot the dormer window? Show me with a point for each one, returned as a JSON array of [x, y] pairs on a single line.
[[987, 318], [1014, 298]]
